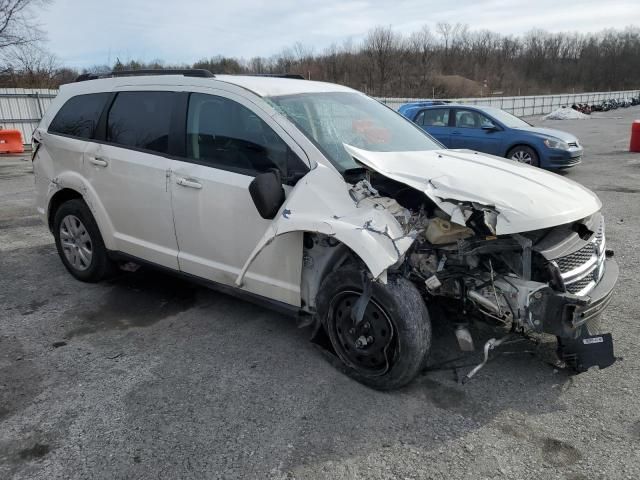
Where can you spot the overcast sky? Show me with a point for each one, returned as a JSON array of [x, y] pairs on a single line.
[[87, 32]]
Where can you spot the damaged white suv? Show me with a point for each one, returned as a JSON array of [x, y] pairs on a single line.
[[322, 201]]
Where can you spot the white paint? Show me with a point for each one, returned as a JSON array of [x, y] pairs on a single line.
[[273, 87], [527, 198], [320, 202], [217, 227], [131, 189]]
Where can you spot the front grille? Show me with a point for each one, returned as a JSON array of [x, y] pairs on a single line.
[[582, 269], [576, 259], [580, 285]]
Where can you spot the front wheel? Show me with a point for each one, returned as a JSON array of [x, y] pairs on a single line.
[[524, 154], [387, 348]]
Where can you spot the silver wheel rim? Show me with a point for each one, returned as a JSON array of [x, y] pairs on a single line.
[[522, 157], [76, 242]]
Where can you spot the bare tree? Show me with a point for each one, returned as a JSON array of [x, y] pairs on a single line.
[[422, 44], [450, 60], [257, 65], [17, 24], [380, 45], [36, 67]]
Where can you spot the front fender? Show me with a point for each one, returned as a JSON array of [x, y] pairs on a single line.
[[321, 203], [534, 143]]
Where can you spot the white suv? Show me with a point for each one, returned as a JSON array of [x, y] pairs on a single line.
[[322, 201]]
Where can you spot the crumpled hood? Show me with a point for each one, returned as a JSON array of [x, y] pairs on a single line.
[[526, 198], [550, 132]]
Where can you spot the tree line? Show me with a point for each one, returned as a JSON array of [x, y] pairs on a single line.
[[447, 61]]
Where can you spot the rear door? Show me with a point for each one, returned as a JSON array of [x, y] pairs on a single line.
[[471, 131], [435, 121], [128, 166], [66, 140], [228, 142]]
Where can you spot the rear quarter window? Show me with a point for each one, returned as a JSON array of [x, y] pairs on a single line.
[[79, 116], [437, 117]]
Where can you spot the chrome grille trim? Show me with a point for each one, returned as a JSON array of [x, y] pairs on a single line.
[[583, 269]]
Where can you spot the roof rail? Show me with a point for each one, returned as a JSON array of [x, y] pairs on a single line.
[[187, 72], [295, 76], [86, 76]]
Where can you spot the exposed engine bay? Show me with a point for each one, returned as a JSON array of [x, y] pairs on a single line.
[[549, 280]]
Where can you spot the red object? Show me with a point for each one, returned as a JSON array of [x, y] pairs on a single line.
[[634, 145], [11, 141]]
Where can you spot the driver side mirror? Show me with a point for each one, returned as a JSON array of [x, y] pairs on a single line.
[[490, 127], [267, 193]]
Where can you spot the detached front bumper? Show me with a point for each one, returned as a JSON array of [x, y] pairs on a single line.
[[599, 297], [570, 316], [573, 319]]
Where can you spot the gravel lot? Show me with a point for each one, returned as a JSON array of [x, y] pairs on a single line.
[[147, 376]]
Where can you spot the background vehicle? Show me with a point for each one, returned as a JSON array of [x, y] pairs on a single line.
[[409, 109], [322, 202], [494, 131]]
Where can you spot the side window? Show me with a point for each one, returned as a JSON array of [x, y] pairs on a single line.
[[79, 116], [485, 121], [471, 119], [227, 135], [420, 118], [437, 117], [141, 120]]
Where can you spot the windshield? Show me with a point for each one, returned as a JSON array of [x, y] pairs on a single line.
[[331, 119], [508, 120]]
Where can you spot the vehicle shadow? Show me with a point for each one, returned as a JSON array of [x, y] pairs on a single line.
[[247, 384]]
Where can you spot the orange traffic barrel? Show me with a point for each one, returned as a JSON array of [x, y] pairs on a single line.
[[11, 141], [634, 145]]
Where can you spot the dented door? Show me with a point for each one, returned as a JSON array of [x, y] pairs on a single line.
[[217, 224]]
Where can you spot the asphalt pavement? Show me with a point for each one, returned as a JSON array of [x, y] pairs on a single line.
[[148, 376]]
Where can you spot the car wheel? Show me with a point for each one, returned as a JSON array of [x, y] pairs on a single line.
[[524, 154], [79, 242], [387, 348]]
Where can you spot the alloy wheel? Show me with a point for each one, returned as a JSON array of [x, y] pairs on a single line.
[[76, 242], [522, 157]]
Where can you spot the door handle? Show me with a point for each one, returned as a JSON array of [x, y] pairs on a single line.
[[456, 133], [187, 182], [100, 162]]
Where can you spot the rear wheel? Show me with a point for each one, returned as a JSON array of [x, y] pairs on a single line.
[[79, 242], [386, 349], [524, 154]]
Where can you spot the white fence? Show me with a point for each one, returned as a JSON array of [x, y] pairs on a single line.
[[22, 109], [527, 105]]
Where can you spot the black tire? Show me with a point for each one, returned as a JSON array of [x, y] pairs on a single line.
[[524, 151], [99, 266], [399, 304]]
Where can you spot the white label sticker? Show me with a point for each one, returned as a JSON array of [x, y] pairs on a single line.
[[588, 341], [432, 283]]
